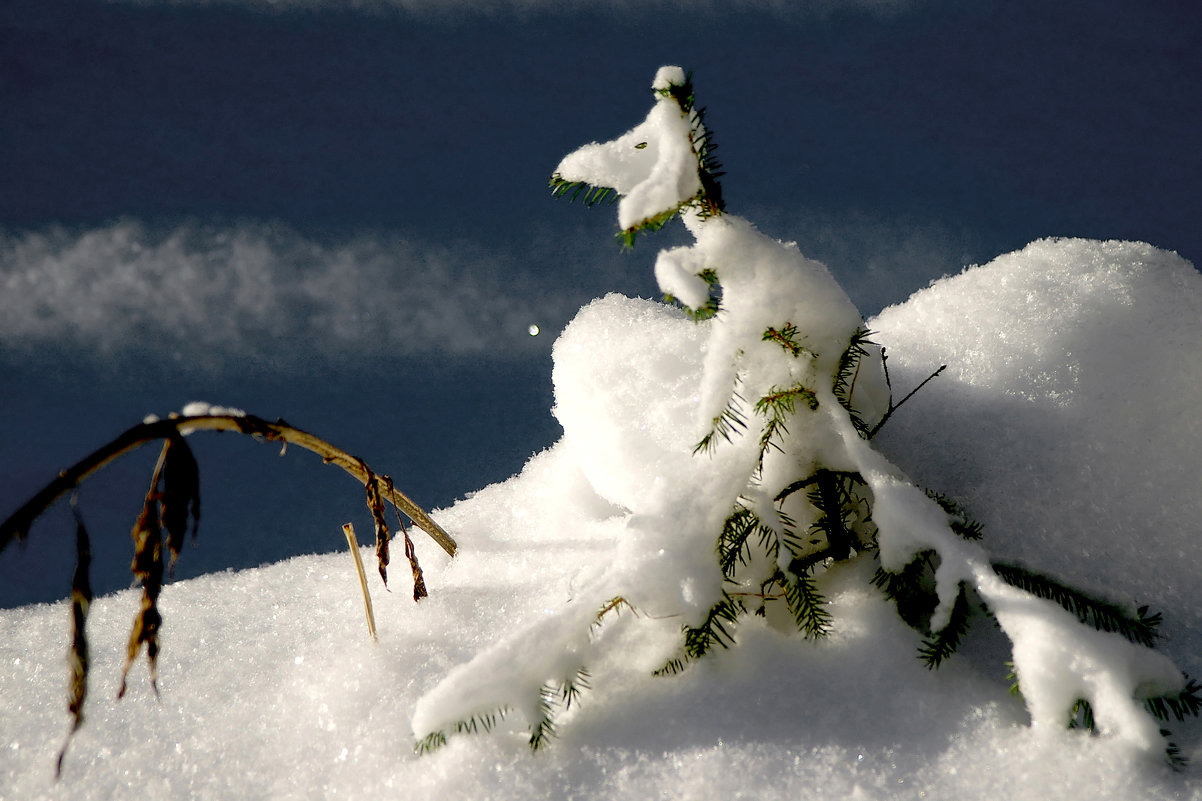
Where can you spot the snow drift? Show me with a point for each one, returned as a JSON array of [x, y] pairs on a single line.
[[1063, 420]]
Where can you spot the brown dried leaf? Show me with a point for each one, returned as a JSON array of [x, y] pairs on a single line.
[[145, 630], [376, 504], [180, 498], [419, 580], [77, 659], [148, 542], [148, 566]]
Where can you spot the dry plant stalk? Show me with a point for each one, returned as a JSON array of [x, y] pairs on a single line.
[[17, 525], [353, 541], [172, 501]]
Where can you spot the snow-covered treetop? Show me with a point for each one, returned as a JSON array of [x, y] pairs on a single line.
[[747, 428], [653, 166]]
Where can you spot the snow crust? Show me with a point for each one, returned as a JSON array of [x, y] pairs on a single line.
[[1063, 400]]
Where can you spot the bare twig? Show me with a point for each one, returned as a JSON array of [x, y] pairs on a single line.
[[893, 407], [353, 541], [18, 524]]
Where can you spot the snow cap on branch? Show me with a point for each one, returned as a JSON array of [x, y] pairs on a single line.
[[653, 166]]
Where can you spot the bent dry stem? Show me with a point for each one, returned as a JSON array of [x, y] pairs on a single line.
[[172, 503], [17, 525]]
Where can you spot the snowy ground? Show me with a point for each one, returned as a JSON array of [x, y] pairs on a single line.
[[1065, 421]]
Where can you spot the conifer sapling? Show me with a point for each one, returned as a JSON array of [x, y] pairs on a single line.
[[772, 478]]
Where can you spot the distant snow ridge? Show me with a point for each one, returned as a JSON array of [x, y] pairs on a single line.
[[209, 293]]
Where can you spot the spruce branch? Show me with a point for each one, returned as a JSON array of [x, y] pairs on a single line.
[[553, 696], [845, 377], [713, 303], [830, 497], [1172, 752], [1186, 702], [958, 518], [709, 201], [673, 667], [943, 643], [786, 337], [713, 631], [912, 590], [1082, 717], [840, 501], [651, 224], [589, 194], [476, 724], [1140, 626], [733, 549], [726, 425], [777, 407], [807, 605]]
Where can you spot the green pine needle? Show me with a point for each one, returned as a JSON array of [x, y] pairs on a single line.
[[912, 589], [733, 549], [807, 606], [726, 425], [958, 517], [943, 643], [1185, 703], [1172, 753], [786, 337], [430, 743], [1081, 716], [777, 407], [713, 303], [476, 724], [713, 631], [845, 377], [673, 667], [581, 190], [1139, 627]]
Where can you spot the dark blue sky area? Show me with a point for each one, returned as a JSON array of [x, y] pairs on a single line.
[[1013, 119], [896, 148]]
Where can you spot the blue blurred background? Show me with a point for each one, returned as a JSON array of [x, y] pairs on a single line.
[[338, 214]]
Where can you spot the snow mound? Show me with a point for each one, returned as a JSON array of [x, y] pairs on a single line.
[[1075, 364], [1064, 421]]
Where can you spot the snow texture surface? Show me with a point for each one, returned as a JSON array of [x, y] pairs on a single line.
[[1064, 421]]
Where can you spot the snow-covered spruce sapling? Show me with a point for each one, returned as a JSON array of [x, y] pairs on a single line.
[[172, 507], [778, 481]]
